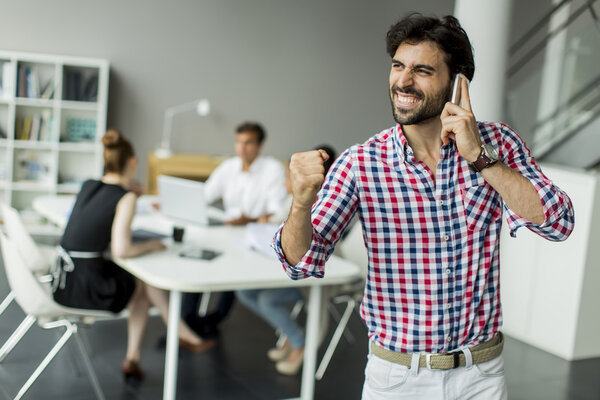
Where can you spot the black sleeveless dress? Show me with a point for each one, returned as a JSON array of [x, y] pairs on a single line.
[[95, 283]]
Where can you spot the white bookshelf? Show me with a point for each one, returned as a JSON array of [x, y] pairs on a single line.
[[52, 118]]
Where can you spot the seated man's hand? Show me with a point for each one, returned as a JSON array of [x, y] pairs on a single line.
[[241, 220]]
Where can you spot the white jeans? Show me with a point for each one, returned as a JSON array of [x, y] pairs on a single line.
[[385, 380]]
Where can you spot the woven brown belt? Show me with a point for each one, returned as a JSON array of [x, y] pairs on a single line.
[[482, 352]]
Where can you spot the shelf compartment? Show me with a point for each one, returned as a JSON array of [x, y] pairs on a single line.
[[35, 124], [35, 80], [80, 83], [79, 126], [33, 167]]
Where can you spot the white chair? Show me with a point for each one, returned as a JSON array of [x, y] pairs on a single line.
[[38, 304], [352, 248], [37, 259]]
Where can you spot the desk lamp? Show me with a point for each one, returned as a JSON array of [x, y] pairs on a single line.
[[202, 107]]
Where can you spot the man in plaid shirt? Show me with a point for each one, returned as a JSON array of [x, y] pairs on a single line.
[[429, 193]]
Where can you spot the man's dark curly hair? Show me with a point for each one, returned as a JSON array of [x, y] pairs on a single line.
[[446, 32]]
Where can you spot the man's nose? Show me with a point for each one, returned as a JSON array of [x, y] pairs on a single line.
[[405, 78]]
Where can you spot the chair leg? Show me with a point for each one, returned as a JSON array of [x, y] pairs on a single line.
[[335, 339], [69, 331], [336, 315], [204, 302], [16, 336], [6, 302], [88, 365]]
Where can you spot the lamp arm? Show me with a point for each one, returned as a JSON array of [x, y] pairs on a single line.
[[168, 121]]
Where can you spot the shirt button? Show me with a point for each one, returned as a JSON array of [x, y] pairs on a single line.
[[441, 202], [448, 306], [448, 339], [448, 271], [446, 237]]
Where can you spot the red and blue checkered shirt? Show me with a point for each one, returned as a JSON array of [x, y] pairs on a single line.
[[433, 282]]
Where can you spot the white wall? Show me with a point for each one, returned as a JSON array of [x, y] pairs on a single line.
[[312, 71], [549, 290]]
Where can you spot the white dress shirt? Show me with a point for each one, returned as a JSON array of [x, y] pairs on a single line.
[[258, 191]]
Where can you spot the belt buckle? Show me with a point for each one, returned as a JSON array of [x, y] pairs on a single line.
[[455, 360]]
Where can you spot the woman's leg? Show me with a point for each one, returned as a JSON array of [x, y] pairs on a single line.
[[136, 324], [160, 299]]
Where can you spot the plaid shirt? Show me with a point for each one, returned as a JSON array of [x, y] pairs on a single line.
[[433, 281]]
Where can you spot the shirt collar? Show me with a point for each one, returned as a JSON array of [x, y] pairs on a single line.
[[402, 148], [405, 152]]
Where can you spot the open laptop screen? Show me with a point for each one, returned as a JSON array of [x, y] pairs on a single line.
[[182, 199]]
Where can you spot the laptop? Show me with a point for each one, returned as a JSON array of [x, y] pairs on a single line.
[[184, 200]]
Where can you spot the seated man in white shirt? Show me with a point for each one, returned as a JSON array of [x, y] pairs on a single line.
[[252, 188]]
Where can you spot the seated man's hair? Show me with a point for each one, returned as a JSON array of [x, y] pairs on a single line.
[[254, 127]]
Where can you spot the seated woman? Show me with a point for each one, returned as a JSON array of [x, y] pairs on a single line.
[[272, 304], [88, 278]]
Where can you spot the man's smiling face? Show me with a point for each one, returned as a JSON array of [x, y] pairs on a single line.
[[419, 82]]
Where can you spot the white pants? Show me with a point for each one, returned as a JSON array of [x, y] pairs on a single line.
[[385, 380]]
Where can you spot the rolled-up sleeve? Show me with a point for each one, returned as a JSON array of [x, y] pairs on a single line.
[[559, 218], [336, 204]]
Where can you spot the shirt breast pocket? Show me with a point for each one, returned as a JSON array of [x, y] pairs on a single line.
[[481, 205]]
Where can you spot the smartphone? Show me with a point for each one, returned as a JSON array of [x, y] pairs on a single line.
[[455, 98], [200, 254]]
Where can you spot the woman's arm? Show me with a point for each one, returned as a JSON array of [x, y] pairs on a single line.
[[121, 245]]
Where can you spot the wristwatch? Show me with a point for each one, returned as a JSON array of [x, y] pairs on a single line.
[[487, 157]]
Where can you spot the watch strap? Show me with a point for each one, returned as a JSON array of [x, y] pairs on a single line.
[[482, 162]]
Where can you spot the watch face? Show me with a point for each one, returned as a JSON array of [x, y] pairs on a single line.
[[491, 152]]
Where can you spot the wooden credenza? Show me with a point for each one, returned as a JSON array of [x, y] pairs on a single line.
[[188, 166]]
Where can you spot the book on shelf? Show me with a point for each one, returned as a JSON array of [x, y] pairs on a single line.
[[34, 133], [46, 126], [24, 135], [22, 82], [48, 90], [33, 83]]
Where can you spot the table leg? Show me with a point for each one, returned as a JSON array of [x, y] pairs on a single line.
[[311, 346], [172, 353]]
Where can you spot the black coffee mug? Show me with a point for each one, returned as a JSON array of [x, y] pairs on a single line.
[[178, 233]]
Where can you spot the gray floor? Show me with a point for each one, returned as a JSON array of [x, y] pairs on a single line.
[[239, 369]]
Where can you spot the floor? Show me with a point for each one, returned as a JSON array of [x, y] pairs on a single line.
[[239, 369]]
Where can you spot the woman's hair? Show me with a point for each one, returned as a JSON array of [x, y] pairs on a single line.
[[117, 151], [446, 32]]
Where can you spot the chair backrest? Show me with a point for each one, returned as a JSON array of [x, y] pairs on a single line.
[[353, 248], [29, 292], [16, 231]]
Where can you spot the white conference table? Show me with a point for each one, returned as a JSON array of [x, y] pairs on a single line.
[[236, 268]]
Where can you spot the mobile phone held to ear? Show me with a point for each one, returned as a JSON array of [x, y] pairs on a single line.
[[456, 88]]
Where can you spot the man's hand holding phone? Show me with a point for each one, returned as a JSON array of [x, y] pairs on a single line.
[[458, 121]]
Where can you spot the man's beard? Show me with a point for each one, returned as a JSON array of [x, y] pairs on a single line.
[[430, 108]]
